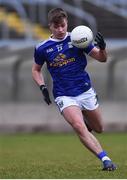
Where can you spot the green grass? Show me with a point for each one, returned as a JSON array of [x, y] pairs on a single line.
[[44, 156]]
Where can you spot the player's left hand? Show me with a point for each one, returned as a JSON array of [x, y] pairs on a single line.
[[99, 41]]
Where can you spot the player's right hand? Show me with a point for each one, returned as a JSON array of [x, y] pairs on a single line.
[[45, 93]]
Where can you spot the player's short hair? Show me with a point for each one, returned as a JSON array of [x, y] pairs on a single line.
[[57, 15]]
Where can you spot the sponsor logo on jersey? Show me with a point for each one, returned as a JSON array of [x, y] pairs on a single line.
[[61, 60]]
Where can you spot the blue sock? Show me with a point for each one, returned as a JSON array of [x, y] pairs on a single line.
[[103, 156]]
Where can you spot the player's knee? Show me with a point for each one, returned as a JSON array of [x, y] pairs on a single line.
[[78, 127]]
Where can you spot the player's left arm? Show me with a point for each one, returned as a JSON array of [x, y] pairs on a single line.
[[99, 51]]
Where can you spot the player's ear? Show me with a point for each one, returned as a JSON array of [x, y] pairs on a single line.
[[49, 25]]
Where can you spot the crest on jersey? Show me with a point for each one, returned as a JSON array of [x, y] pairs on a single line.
[[59, 47]]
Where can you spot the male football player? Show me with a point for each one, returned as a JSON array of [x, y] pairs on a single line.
[[72, 89]]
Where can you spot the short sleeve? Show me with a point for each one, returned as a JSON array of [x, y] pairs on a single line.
[[89, 48], [39, 57]]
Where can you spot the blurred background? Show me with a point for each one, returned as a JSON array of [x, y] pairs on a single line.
[[23, 24]]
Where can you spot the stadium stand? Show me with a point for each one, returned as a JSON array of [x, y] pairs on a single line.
[[16, 24], [118, 7], [112, 23]]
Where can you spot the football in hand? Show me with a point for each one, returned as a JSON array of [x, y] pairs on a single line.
[[81, 36]]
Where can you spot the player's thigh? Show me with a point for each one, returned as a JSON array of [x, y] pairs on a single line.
[[73, 115], [94, 118]]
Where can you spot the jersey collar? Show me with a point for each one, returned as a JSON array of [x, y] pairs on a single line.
[[58, 40]]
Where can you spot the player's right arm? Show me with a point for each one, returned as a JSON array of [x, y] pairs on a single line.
[[39, 79], [37, 74]]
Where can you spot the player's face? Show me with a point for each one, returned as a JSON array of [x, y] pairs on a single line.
[[59, 30]]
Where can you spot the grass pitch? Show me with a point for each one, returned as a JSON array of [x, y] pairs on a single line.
[[59, 156]]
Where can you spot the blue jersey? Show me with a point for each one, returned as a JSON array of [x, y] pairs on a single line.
[[66, 65]]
